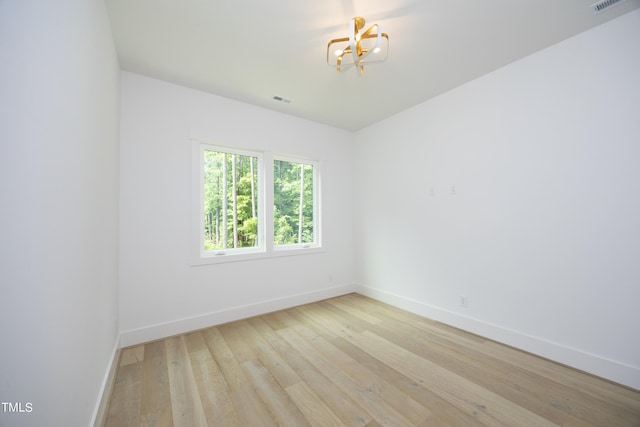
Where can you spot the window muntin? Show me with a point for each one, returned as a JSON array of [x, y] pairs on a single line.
[[294, 201], [230, 201]]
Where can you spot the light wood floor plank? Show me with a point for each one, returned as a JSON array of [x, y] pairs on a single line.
[[327, 319], [124, 406], [611, 393], [233, 334], [354, 310], [317, 413], [280, 370], [354, 361], [185, 398], [132, 355], [365, 397], [217, 404], [443, 413], [349, 412], [244, 396], [367, 380], [572, 421], [569, 389], [501, 378], [155, 410], [480, 402], [536, 389], [541, 395], [283, 410]]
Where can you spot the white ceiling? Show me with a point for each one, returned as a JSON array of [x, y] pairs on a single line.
[[253, 50]]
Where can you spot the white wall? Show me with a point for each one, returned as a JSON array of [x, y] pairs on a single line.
[[161, 294], [58, 209], [543, 234]]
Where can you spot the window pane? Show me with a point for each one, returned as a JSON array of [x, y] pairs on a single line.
[[293, 202], [230, 200]]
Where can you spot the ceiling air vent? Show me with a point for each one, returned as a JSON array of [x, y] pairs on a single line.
[[282, 99], [603, 5]]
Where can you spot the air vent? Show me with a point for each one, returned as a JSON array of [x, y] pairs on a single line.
[[603, 5], [282, 99]]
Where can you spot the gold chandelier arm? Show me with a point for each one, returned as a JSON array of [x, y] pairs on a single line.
[[340, 40], [367, 34]]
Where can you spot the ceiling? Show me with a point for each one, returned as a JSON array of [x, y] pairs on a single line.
[[253, 50]]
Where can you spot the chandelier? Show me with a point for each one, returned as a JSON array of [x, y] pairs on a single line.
[[360, 48]]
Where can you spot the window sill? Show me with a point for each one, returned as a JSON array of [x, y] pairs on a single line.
[[252, 256]]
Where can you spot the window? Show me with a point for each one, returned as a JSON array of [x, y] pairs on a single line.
[[231, 192], [294, 202], [230, 200]]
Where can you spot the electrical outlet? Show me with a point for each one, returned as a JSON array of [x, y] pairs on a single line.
[[464, 302]]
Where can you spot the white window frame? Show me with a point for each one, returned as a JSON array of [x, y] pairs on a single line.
[[266, 247], [316, 203], [203, 147]]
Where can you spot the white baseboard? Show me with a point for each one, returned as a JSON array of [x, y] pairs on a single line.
[[99, 413], [155, 332], [609, 369]]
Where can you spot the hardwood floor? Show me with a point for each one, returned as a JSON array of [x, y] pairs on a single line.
[[353, 361]]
